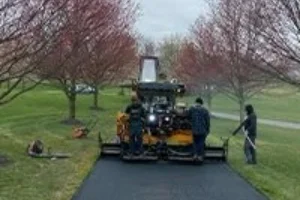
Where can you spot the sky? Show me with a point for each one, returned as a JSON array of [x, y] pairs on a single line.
[[160, 18]]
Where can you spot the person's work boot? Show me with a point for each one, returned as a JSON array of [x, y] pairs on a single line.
[[195, 157], [130, 155], [248, 162], [200, 158], [138, 153], [254, 161]]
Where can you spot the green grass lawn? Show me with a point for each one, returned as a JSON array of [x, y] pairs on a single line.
[[37, 115], [278, 104], [277, 173]]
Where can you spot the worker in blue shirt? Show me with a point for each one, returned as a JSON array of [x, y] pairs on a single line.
[[200, 121]]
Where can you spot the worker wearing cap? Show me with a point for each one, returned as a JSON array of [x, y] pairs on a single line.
[[200, 121], [250, 128], [136, 114]]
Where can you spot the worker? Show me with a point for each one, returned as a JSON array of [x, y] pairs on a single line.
[[250, 129], [200, 121], [136, 114]]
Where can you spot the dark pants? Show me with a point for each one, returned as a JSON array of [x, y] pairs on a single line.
[[249, 151], [136, 137], [199, 144]]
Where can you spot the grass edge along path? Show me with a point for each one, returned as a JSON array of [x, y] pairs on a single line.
[[276, 174], [37, 115]]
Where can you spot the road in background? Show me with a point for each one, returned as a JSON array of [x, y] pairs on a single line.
[[276, 123]]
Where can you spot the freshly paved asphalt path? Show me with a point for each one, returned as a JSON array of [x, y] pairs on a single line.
[[115, 180], [275, 123]]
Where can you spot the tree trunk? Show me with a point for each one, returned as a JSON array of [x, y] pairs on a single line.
[[23, 84], [72, 106], [242, 105], [122, 92], [209, 100], [8, 83], [72, 102], [96, 95]]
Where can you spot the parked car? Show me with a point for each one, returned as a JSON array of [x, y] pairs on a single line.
[[84, 89]]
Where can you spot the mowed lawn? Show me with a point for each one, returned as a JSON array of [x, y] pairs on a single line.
[[37, 115], [278, 104], [277, 173]]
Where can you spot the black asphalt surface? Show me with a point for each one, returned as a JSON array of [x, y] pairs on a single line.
[[115, 180]]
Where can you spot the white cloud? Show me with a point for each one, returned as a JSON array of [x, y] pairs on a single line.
[[160, 18]]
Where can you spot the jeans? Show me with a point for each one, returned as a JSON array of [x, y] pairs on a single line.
[[136, 138], [199, 144], [249, 151]]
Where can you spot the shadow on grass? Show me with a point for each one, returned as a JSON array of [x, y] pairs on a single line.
[[4, 161], [72, 122], [93, 108]]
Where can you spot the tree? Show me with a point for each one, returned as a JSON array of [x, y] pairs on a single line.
[[112, 53], [22, 47], [112, 61], [278, 26], [240, 80], [84, 21], [198, 70], [221, 52], [147, 46], [168, 54]]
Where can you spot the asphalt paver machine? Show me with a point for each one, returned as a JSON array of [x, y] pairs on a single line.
[[167, 131]]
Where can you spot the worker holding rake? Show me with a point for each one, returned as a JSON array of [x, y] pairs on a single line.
[[249, 126]]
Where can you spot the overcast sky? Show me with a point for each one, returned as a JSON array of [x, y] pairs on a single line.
[[160, 18]]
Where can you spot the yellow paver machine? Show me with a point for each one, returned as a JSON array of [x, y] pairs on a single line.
[[167, 131]]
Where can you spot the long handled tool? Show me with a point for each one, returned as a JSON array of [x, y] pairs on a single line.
[[36, 150], [246, 136], [83, 131], [227, 139], [249, 140]]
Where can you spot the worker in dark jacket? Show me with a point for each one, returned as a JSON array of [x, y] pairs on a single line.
[[136, 114], [250, 130], [200, 121]]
